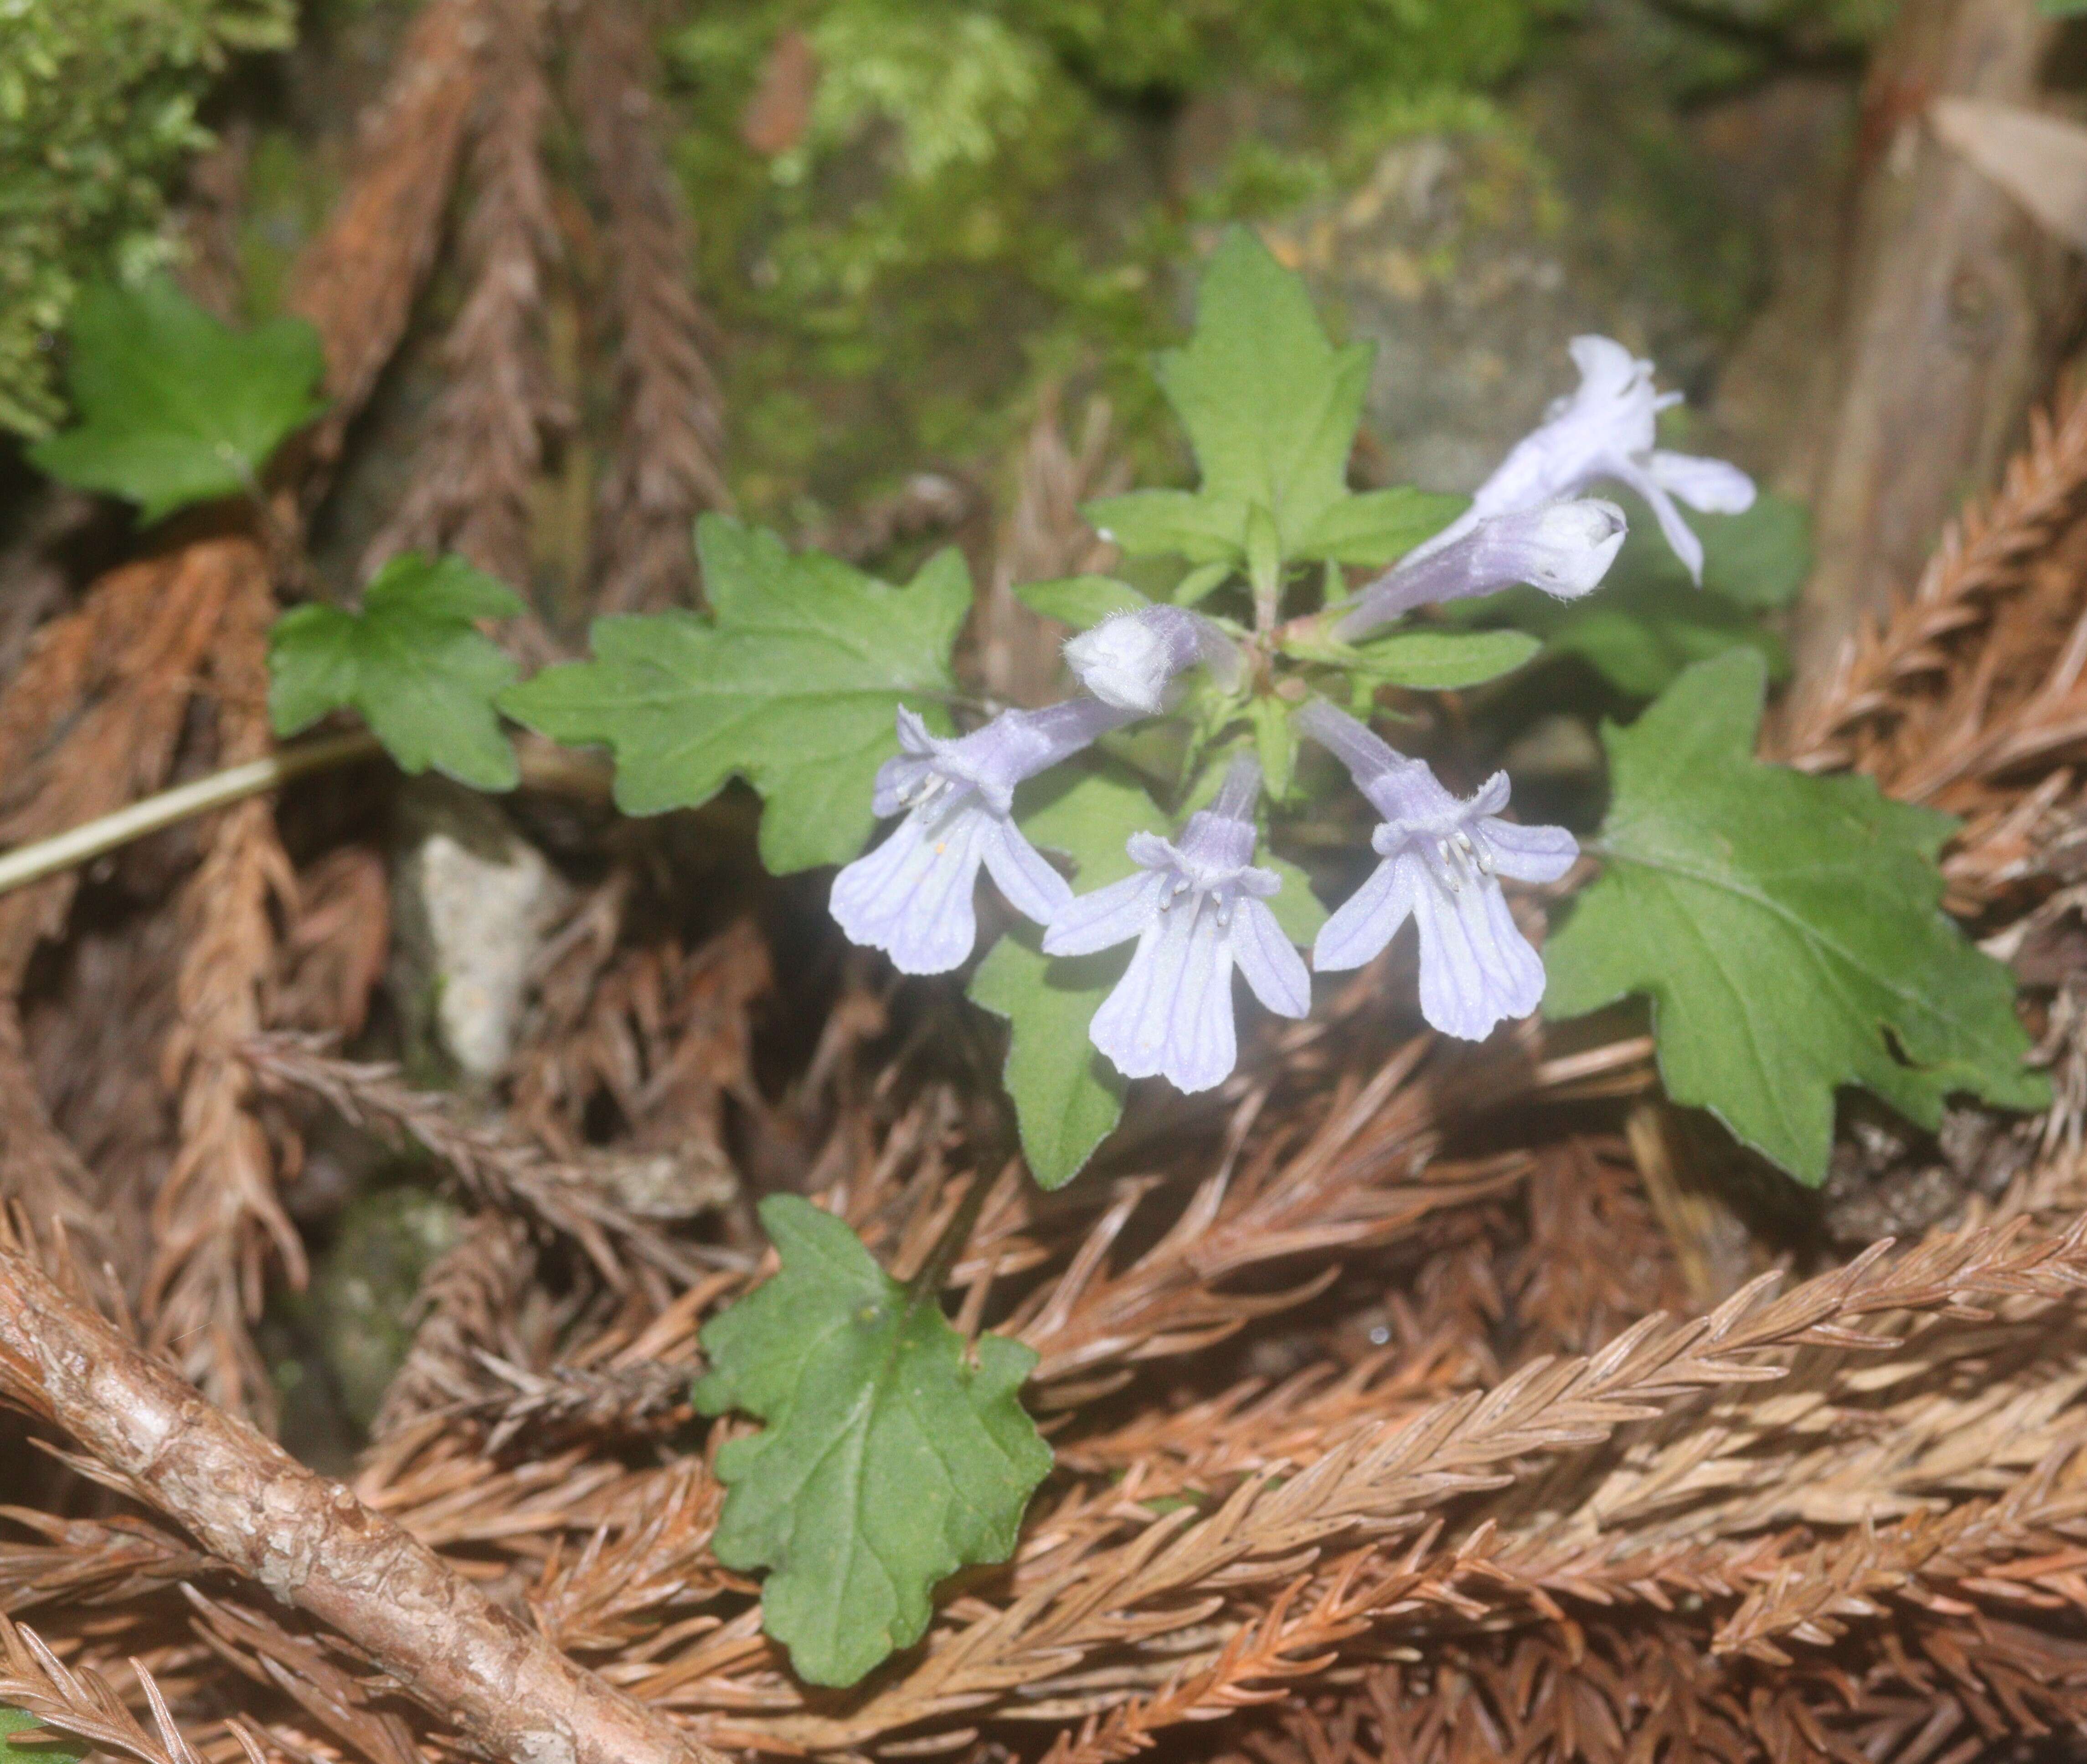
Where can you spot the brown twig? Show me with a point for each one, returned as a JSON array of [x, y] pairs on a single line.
[[667, 467], [356, 282], [1880, 668], [312, 1543], [216, 1214], [483, 443]]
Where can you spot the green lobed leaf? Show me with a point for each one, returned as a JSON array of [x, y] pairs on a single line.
[[1788, 931], [413, 661], [792, 685], [1067, 1098], [45, 1743], [891, 1457], [177, 408], [1271, 408], [1080, 601]]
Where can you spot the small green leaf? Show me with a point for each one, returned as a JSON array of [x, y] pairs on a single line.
[[1264, 553], [891, 1458], [176, 408], [1067, 1098], [1271, 409], [1642, 645], [1089, 813], [1376, 527], [792, 685], [46, 1743], [1759, 558], [1296, 909], [1441, 661], [1275, 738], [1080, 601], [1788, 930], [1200, 582], [413, 661]]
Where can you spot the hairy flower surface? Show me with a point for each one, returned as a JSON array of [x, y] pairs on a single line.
[[1443, 860], [1198, 910], [1565, 548], [1604, 430], [911, 896], [1131, 659]]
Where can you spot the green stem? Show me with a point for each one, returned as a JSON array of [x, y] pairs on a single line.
[[925, 1287], [543, 768], [80, 845]]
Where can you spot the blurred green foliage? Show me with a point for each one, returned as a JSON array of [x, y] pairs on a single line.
[[98, 108], [980, 193]]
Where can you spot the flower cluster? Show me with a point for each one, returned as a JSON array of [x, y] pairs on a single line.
[[1197, 906]]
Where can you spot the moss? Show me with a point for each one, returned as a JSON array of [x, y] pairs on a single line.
[[98, 108], [362, 1290], [988, 192], [289, 189]]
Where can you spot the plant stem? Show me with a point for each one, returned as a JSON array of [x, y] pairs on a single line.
[[926, 1285], [78, 845], [543, 768]]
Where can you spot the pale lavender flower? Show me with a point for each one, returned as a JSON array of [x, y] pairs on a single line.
[[1604, 430], [1197, 909], [1130, 659], [1443, 860], [911, 896], [1565, 548]]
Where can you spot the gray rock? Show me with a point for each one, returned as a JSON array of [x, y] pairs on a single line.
[[473, 903]]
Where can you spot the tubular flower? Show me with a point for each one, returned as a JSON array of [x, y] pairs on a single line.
[[1605, 431], [911, 896], [1565, 548], [1443, 860], [1130, 659], [1197, 909]]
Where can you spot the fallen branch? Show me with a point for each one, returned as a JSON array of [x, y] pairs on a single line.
[[312, 1543]]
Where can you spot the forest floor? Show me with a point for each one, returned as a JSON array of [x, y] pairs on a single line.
[[1409, 1399]]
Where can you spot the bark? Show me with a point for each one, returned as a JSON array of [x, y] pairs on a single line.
[[1955, 306], [312, 1543]]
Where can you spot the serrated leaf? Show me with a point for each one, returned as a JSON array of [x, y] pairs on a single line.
[[177, 408], [1788, 930], [1080, 601], [791, 683], [1067, 1098], [47, 1743], [1271, 409], [1440, 661], [890, 1459], [413, 661]]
